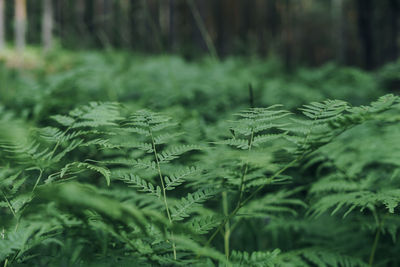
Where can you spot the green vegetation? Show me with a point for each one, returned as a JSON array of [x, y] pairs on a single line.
[[123, 160]]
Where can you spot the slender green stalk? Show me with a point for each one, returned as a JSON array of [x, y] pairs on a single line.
[[9, 204], [37, 180], [376, 241], [227, 233], [374, 246], [287, 166], [163, 189], [242, 203], [246, 168]]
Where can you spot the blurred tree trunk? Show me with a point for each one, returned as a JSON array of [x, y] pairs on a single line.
[[394, 29], [164, 12], [47, 25], [273, 24], [20, 24], [2, 25], [124, 22], [100, 22], [365, 18], [80, 16], [152, 12], [288, 36], [338, 33], [197, 7], [172, 26], [219, 21]]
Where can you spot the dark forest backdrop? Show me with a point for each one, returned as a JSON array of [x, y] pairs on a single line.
[[363, 33]]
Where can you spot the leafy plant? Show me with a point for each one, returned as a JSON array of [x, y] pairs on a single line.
[[270, 188]]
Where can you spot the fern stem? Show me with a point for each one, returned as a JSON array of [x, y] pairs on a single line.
[[375, 244], [9, 204], [246, 167], [227, 233], [287, 166], [37, 180], [233, 213], [163, 189]]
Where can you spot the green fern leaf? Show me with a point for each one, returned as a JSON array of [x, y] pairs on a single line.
[[182, 209]]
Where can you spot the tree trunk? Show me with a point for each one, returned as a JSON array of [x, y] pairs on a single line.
[[2, 25], [365, 17], [124, 21], [288, 36], [20, 24], [338, 33], [100, 23], [80, 17], [172, 26], [47, 25], [394, 29]]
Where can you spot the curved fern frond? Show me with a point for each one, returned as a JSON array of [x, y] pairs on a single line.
[[175, 179], [174, 152], [79, 165], [321, 258], [145, 186], [390, 198], [256, 259], [93, 115], [325, 111], [186, 205], [202, 225]]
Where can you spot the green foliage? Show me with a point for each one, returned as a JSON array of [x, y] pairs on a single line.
[[174, 215], [113, 184]]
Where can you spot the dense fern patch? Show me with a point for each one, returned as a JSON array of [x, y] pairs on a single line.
[[107, 184]]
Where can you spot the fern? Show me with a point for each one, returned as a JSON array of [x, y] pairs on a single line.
[[144, 186], [184, 207], [272, 188], [103, 171], [176, 179]]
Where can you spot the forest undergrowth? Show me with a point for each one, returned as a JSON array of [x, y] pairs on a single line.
[[124, 161]]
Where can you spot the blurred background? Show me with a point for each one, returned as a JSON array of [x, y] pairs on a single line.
[[199, 62], [157, 53], [362, 33]]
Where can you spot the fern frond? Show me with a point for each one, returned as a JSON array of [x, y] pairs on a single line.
[[334, 183], [182, 209], [265, 138], [202, 225], [165, 137], [174, 152], [145, 186], [277, 203], [259, 119], [390, 198], [256, 259], [235, 142], [78, 165], [321, 258], [147, 147], [138, 163], [144, 120], [187, 244], [77, 198], [325, 111], [178, 178], [94, 115], [63, 120]]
